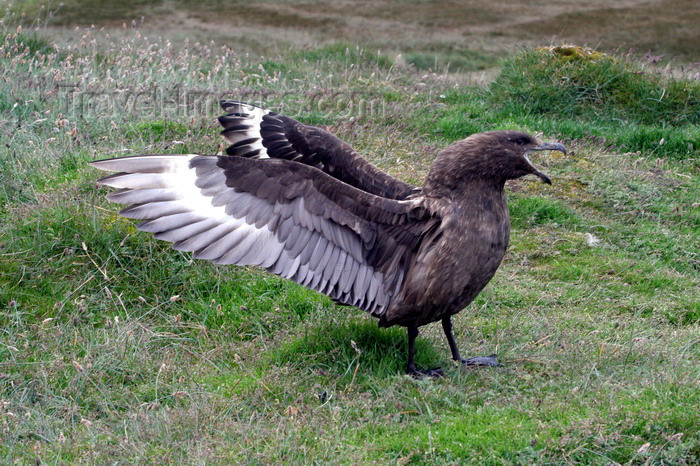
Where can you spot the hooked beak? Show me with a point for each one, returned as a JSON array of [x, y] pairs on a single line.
[[547, 146], [551, 146]]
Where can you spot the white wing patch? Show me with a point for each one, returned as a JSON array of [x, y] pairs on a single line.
[[190, 205]]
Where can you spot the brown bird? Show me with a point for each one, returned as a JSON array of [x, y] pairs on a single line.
[[300, 203]]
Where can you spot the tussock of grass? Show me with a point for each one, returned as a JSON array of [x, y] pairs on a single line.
[[578, 93], [116, 348], [573, 82], [637, 109]]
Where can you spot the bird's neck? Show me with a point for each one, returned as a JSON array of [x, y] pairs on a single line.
[[465, 189]]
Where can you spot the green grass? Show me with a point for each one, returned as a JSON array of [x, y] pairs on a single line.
[[532, 210], [576, 93], [438, 57], [342, 53], [116, 348], [576, 82]]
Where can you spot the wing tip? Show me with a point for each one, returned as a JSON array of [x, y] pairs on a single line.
[[227, 105], [100, 165], [109, 179], [238, 107], [143, 163]]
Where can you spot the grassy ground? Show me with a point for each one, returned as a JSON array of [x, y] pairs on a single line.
[[115, 348], [459, 35]]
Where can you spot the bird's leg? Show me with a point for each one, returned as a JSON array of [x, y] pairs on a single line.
[[411, 367], [491, 361], [447, 327]]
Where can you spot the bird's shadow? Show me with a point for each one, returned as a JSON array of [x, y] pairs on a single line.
[[336, 348]]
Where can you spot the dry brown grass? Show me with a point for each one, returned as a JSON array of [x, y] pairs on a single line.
[[658, 26]]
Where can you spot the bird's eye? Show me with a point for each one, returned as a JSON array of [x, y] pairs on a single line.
[[520, 141]]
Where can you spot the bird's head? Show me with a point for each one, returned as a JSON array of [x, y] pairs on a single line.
[[490, 157]]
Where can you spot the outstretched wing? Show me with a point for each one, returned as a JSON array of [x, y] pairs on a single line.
[[289, 218], [257, 133]]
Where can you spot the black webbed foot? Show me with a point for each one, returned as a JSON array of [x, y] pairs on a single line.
[[484, 361], [423, 373], [488, 361]]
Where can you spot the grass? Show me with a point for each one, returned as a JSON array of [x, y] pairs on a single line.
[[441, 56], [577, 93], [115, 348], [427, 33], [572, 82]]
